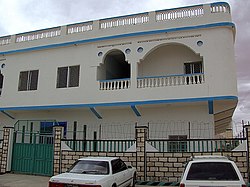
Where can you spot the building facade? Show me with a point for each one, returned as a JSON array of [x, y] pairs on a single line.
[[172, 70]]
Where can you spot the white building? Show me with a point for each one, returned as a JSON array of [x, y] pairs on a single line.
[[173, 69]]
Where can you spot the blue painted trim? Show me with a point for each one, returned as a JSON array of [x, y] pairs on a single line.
[[5, 113], [211, 107], [95, 112], [191, 6], [221, 24], [136, 111], [219, 3], [187, 100], [79, 23]]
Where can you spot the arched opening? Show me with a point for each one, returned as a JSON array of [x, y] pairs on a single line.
[[170, 59], [169, 65], [114, 67]]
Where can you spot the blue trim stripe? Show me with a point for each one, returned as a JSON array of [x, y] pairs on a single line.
[[221, 24], [187, 100], [95, 112], [136, 111], [211, 107], [220, 3]]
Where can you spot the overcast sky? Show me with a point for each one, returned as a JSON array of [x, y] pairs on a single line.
[[17, 16]]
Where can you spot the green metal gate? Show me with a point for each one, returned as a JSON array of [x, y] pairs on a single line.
[[32, 153]]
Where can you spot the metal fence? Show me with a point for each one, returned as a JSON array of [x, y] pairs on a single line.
[[99, 145], [196, 145], [33, 137]]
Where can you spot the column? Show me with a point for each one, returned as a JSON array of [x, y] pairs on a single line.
[[6, 151], [133, 79], [247, 127], [58, 135], [141, 162]]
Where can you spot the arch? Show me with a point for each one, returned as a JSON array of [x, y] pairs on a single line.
[[168, 44], [114, 66], [169, 59]]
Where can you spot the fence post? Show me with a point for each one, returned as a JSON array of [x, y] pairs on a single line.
[[58, 134], [5, 162], [247, 127], [141, 162]]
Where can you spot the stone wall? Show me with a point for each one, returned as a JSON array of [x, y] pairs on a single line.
[[151, 166], [69, 157], [1, 149], [167, 167]]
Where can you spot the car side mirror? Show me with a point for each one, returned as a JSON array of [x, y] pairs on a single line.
[[129, 166]]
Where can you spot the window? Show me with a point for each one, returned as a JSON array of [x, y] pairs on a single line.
[[46, 131], [68, 76], [28, 80], [93, 167], [220, 171], [193, 67], [118, 165], [177, 143]]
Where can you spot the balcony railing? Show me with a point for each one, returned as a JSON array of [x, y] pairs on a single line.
[[220, 7], [5, 40], [170, 80], [153, 81], [122, 21], [114, 84], [80, 27], [36, 35], [180, 13]]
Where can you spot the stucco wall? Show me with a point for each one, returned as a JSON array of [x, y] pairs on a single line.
[[218, 60]]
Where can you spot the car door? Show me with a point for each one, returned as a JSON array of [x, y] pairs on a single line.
[[121, 173]]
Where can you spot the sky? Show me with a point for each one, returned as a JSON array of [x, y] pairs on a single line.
[[17, 16]]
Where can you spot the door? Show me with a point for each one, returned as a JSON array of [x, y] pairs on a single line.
[[32, 153]]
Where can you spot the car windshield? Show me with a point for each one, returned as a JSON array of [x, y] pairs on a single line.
[[90, 167], [212, 171]]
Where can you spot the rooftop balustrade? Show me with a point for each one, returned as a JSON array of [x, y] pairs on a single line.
[[169, 15]]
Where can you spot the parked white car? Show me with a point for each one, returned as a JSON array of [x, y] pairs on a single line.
[[209, 171], [96, 172]]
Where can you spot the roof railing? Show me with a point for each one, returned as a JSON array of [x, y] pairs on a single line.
[[121, 21]]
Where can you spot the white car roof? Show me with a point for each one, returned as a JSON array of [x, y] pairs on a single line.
[[210, 158], [99, 158]]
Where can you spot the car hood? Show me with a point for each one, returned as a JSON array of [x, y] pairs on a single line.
[[75, 178]]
